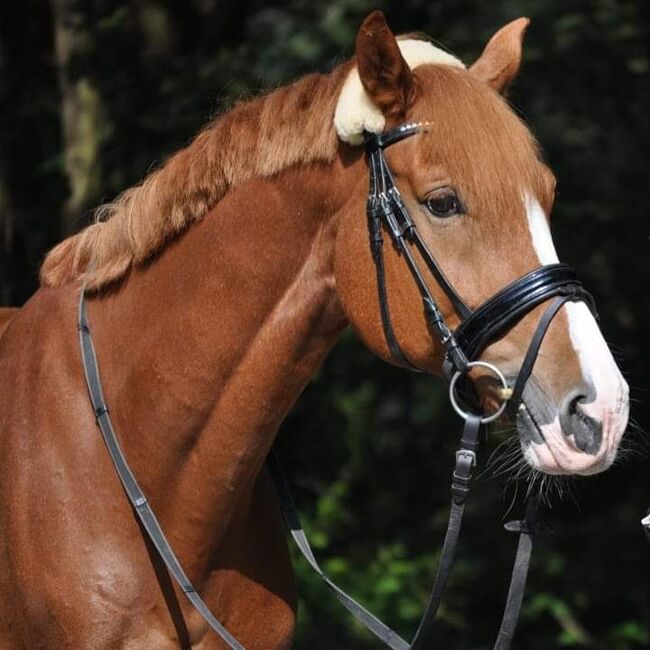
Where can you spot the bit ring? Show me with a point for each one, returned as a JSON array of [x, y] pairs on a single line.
[[503, 390]]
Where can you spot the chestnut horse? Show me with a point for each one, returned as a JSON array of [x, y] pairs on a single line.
[[216, 287]]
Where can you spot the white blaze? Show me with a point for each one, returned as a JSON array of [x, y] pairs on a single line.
[[540, 232], [596, 362]]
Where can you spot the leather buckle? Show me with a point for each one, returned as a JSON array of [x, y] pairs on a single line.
[[462, 454]]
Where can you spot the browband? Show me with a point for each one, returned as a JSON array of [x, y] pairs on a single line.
[[376, 141]]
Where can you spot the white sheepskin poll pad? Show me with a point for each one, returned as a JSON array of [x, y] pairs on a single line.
[[355, 111]]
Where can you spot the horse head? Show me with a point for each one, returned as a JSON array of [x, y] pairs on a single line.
[[479, 193]]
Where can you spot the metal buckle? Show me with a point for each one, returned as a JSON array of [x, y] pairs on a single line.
[[458, 374], [466, 453]]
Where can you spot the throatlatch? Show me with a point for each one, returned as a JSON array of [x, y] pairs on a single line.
[[387, 212]]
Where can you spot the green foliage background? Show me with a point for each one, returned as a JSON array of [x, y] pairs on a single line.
[[368, 447]]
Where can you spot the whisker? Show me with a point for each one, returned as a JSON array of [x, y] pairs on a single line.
[[500, 457], [512, 503]]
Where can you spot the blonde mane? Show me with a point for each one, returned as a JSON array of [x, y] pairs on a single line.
[[255, 139], [293, 125]]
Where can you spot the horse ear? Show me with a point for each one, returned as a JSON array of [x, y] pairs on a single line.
[[501, 58], [384, 73]]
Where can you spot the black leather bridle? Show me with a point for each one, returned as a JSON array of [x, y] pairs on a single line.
[[478, 328]]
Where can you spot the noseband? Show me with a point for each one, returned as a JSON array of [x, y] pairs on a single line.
[[478, 329]]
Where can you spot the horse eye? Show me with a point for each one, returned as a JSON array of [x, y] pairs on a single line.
[[444, 203]]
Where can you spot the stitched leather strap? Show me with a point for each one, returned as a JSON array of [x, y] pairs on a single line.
[[129, 483], [376, 242], [465, 461], [527, 528], [532, 353], [292, 521]]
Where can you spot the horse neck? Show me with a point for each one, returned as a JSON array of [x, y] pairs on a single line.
[[205, 350]]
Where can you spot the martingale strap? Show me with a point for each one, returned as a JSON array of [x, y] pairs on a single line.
[[129, 483], [527, 528]]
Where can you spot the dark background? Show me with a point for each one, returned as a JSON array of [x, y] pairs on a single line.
[[94, 94]]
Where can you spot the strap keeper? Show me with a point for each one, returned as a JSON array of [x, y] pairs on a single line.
[[374, 208], [448, 368], [459, 494], [456, 357], [102, 409], [527, 527], [518, 526], [462, 475], [469, 446]]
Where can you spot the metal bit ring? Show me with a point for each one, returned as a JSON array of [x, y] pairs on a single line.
[[496, 372]]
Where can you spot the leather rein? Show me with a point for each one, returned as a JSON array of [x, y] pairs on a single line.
[[387, 213]]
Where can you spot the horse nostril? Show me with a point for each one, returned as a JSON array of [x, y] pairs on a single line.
[[586, 431], [574, 401]]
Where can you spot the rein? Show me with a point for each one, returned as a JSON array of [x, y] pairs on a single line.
[[386, 211], [133, 490]]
